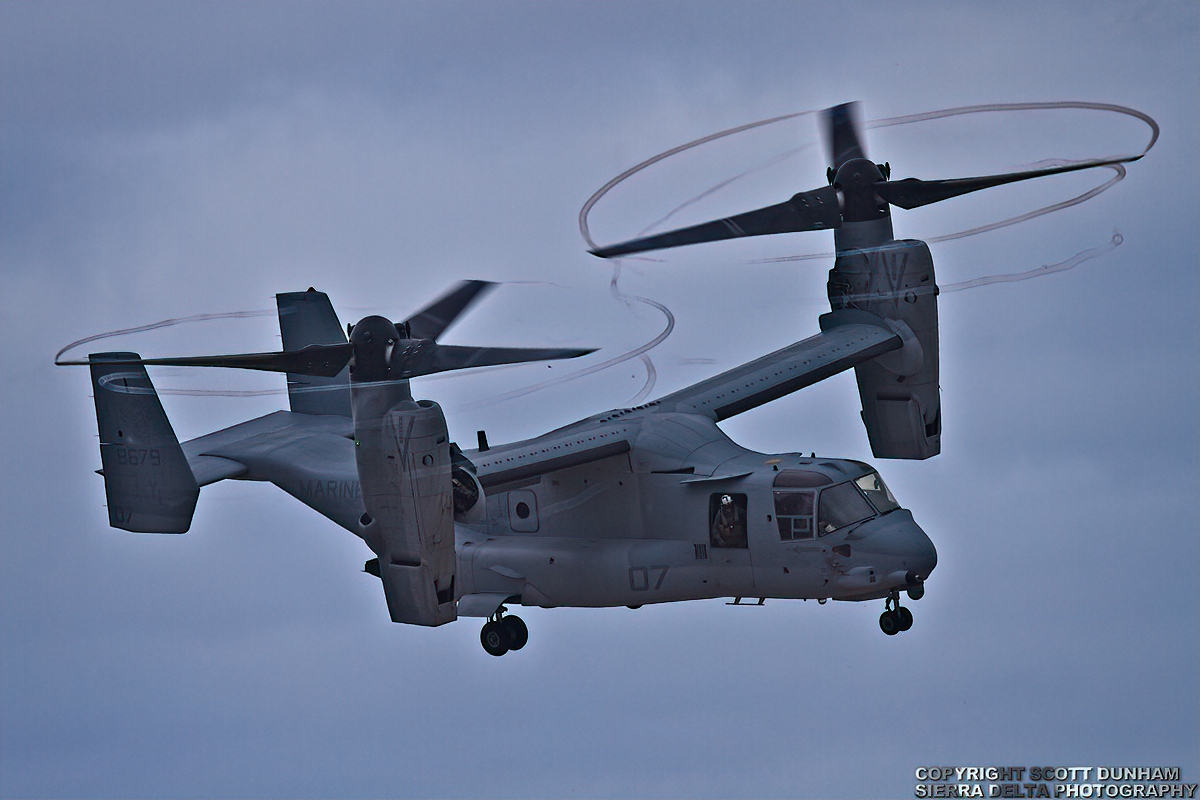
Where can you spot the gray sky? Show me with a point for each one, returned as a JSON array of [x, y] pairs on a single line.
[[160, 160]]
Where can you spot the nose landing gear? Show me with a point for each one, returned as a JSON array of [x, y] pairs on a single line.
[[895, 617], [501, 634]]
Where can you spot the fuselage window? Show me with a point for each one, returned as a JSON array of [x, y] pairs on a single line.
[[793, 514], [727, 520], [801, 479], [840, 506]]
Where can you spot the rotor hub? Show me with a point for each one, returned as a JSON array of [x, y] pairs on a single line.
[[856, 180], [374, 339]]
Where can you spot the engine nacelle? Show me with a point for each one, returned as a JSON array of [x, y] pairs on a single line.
[[901, 403], [404, 468]]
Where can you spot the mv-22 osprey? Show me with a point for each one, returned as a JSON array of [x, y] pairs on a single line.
[[652, 504]]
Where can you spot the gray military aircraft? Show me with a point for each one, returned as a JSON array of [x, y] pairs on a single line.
[[651, 504]]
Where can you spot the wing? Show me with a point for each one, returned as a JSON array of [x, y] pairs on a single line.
[[847, 338], [573, 446]]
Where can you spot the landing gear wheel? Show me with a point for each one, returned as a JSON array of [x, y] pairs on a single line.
[[495, 638], [518, 632], [895, 617]]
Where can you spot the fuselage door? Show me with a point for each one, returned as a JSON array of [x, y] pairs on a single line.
[[728, 544]]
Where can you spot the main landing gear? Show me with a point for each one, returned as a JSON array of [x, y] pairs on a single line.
[[895, 617], [501, 634]]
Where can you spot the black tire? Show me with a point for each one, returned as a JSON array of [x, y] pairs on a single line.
[[495, 638], [518, 632], [905, 618], [889, 623]]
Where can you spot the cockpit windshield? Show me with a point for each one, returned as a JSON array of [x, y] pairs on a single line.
[[840, 506], [875, 490], [802, 494]]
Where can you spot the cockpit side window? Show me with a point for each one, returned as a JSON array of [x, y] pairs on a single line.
[[875, 490], [794, 514], [840, 506]]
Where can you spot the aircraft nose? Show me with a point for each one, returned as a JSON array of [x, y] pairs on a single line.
[[898, 536], [924, 554]]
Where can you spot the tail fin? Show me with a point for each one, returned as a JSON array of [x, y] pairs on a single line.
[[308, 318], [147, 480]]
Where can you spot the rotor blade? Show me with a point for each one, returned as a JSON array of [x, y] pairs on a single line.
[[841, 134], [807, 211], [323, 360], [914, 193], [433, 320], [435, 358]]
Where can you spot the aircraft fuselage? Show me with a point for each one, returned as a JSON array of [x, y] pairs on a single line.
[[652, 525]]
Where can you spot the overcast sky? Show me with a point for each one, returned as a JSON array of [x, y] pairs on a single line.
[[161, 160]]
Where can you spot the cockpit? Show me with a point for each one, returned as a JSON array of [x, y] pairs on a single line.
[[809, 504]]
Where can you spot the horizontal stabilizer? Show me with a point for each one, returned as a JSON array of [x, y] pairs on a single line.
[[147, 480]]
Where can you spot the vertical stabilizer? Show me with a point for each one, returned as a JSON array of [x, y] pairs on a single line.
[[147, 480], [308, 318]]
